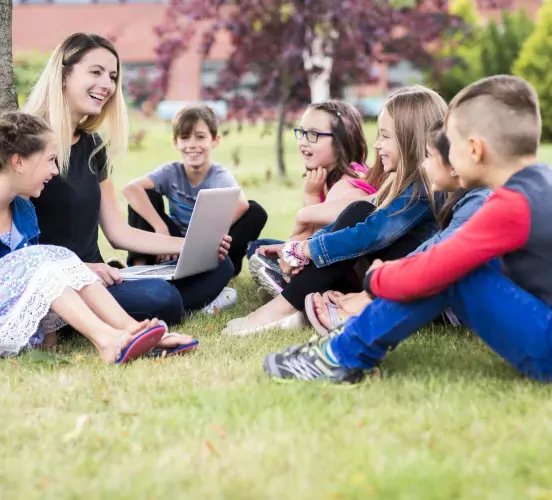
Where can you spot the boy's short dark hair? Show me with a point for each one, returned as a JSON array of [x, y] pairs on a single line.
[[502, 108], [185, 120]]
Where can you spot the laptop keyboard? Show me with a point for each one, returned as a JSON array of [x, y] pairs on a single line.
[[162, 271]]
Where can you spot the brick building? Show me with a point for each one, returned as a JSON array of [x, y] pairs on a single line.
[[42, 24]]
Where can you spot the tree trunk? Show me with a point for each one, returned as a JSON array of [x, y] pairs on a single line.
[[280, 136], [8, 95], [318, 63]]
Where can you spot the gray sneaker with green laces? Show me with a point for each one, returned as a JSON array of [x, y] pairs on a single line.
[[310, 362]]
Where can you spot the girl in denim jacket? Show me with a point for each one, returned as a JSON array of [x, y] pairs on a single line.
[[401, 216], [43, 287]]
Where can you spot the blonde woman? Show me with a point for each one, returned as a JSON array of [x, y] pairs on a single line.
[[78, 93], [400, 218]]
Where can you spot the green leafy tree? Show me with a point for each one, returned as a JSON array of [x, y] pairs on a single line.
[[457, 63], [27, 67], [501, 44], [479, 50], [534, 62]]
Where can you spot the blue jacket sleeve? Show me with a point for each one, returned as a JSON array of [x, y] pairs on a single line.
[[379, 230], [462, 211]]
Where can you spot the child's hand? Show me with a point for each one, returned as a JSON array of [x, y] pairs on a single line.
[[108, 275], [271, 250], [285, 267], [315, 181], [375, 265]]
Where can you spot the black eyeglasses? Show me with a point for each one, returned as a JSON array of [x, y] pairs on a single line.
[[312, 136]]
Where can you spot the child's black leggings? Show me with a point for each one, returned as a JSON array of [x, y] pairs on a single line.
[[340, 275]]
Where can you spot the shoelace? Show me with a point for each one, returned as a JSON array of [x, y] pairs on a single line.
[[302, 368]]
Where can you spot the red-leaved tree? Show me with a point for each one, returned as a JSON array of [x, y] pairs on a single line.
[[300, 50]]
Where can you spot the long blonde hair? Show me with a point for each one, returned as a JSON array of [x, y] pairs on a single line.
[[47, 101], [413, 111]]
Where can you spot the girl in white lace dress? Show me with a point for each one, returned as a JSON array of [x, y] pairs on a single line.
[[43, 288]]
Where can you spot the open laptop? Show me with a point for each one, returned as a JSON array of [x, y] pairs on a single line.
[[211, 219]]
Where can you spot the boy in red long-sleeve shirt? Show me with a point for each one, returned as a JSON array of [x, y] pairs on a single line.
[[494, 129]]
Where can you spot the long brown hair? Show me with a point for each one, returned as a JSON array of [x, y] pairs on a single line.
[[413, 110], [437, 139], [348, 138]]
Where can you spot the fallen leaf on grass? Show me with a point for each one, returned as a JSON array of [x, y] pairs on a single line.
[[77, 431], [211, 448]]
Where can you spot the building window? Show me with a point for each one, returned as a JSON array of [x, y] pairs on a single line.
[[210, 78], [403, 73], [138, 81]]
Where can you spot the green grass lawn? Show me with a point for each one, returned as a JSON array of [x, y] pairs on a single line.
[[449, 420]]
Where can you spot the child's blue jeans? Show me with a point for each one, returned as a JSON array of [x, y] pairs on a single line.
[[514, 323]]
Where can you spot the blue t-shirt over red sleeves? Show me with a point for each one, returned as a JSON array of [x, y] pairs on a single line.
[[514, 225]]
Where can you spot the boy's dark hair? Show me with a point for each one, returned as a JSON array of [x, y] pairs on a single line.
[[437, 139], [185, 120], [502, 108], [21, 134], [348, 138]]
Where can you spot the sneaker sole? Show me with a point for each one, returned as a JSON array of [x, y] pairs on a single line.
[[256, 264], [267, 285]]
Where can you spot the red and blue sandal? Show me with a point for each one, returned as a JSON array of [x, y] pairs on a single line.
[[141, 345], [172, 351], [175, 351]]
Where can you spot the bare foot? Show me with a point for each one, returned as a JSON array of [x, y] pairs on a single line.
[[275, 310], [116, 341], [322, 313], [351, 303], [345, 306], [171, 340], [50, 342]]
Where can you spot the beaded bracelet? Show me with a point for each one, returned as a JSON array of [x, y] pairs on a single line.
[[294, 254]]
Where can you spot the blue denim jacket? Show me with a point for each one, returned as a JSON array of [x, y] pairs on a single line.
[[24, 230], [464, 208], [379, 230]]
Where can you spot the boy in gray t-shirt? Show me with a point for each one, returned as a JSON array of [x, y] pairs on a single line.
[[195, 135], [171, 180]]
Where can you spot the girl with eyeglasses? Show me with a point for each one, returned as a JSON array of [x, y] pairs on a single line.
[[333, 147]]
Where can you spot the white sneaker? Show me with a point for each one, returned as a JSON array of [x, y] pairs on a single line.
[[239, 327], [227, 298]]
